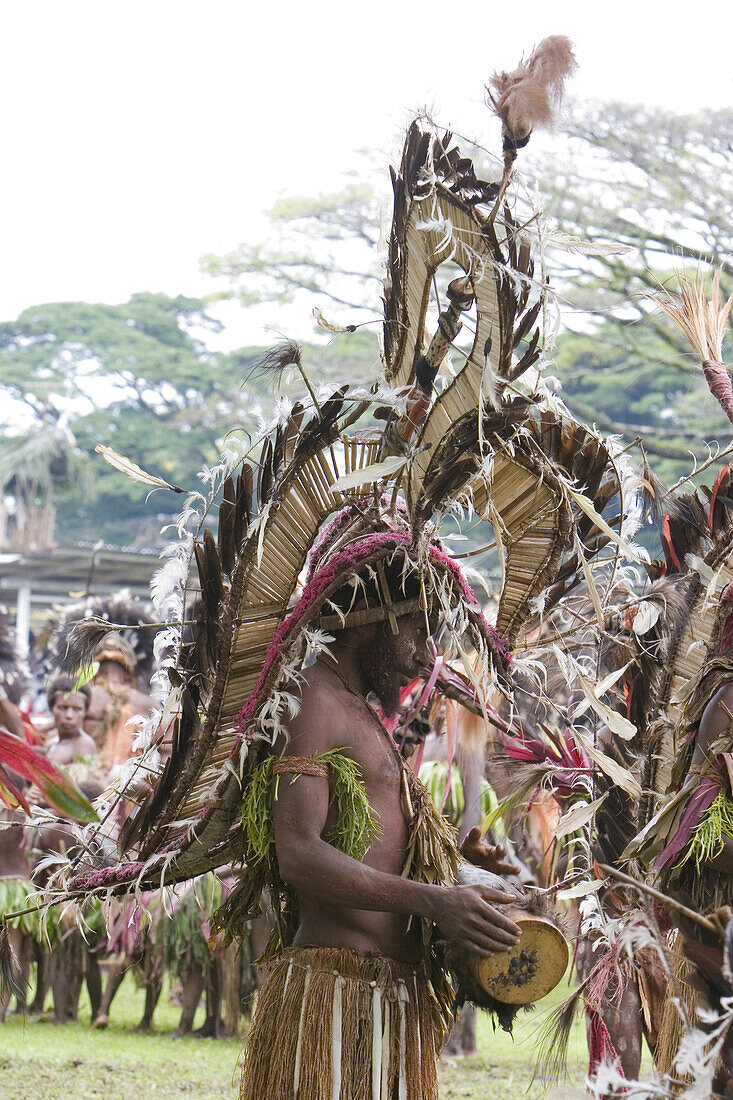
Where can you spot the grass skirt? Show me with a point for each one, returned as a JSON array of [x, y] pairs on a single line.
[[332, 1024], [185, 937]]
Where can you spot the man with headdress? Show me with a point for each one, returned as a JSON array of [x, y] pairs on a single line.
[[689, 843], [68, 741], [280, 762], [341, 802], [115, 700]]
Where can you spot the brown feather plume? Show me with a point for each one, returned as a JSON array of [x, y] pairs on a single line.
[[278, 359], [225, 532], [212, 594], [243, 505], [553, 1037], [530, 95], [83, 639]]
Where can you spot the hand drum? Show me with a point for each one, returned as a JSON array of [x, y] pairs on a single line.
[[537, 962]]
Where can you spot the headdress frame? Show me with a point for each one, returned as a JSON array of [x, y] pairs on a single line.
[[515, 461], [216, 836]]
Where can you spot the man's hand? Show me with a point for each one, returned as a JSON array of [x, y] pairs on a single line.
[[489, 857], [466, 916]]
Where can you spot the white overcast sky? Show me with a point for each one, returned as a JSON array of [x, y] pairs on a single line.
[[138, 136]]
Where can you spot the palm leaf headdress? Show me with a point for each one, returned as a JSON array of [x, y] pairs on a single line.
[[345, 499]]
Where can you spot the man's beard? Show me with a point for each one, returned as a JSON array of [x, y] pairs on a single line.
[[379, 668]]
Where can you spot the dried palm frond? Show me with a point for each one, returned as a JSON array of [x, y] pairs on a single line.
[[703, 321]]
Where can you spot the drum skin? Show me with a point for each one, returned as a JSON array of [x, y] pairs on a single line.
[[537, 962], [529, 970]]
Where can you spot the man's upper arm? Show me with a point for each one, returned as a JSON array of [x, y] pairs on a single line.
[[716, 719], [300, 808]]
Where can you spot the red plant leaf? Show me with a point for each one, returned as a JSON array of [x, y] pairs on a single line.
[[57, 788]]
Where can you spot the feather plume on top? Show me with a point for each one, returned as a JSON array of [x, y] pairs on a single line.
[[530, 95], [279, 358], [127, 466]]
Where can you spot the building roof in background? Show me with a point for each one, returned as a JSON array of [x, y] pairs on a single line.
[[74, 570]]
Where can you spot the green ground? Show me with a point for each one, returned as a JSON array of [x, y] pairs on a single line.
[[39, 1061]]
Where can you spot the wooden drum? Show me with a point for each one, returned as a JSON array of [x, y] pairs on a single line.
[[529, 970]]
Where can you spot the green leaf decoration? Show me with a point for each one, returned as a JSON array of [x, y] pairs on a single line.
[[356, 824]]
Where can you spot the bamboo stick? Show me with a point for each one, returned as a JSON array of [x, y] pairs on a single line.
[[704, 922]]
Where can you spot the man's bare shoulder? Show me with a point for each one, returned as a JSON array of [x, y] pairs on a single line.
[[717, 716], [319, 724], [86, 745]]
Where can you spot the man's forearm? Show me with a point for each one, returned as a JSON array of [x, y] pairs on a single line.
[[317, 869]]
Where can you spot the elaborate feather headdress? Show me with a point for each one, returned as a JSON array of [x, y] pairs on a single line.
[[342, 498], [697, 572], [73, 636]]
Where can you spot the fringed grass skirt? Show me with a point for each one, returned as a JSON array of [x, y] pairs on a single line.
[[335, 1025], [679, 995]]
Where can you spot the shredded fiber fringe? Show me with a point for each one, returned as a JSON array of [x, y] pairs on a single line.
[[333, 1024]]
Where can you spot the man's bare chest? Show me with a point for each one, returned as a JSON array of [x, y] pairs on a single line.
[[380, 766], [66, 752]]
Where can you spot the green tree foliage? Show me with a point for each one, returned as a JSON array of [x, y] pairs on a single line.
[[637, 395], [326, 245], [655, 183], [646, 193], [56, 357], [139, 378], [133, 376]]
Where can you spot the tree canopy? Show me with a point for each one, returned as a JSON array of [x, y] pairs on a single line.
[[134, 376], [630, 195], [139, 378]]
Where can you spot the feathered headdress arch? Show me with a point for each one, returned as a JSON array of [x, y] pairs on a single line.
[[341, 498]]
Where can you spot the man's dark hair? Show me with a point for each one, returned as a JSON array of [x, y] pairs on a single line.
[[66, 686], [401, 584]]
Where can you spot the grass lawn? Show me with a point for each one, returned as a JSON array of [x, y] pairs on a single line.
[[39, 1061]]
